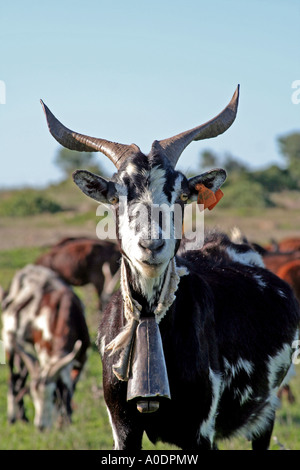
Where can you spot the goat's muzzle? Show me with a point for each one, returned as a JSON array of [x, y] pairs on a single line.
[[152, 246]]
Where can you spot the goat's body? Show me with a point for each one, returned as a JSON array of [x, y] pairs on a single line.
[[224, 370], [228, 334]]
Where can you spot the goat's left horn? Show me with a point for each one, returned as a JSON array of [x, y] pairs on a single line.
[[173, 147], [117, 153]]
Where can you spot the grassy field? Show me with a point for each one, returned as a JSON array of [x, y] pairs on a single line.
[[90, 429], [22, 240]]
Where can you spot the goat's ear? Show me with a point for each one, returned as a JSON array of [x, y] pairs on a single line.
[[212, 180], [92, 185]]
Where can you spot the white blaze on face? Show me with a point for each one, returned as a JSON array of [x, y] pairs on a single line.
[[154, 194], [131, 169], [140, 220]]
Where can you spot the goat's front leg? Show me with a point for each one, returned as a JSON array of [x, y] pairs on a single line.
[[262, 442], [16, 389], [127, 432]]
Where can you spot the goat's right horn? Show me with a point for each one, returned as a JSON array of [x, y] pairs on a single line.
[[64, 361], [117, 153], [173, 147]]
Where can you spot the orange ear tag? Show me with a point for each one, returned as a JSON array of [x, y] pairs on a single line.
[[207, 197], [218, 195]]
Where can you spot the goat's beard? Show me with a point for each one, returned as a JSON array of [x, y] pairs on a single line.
[[151, 271], [146, 279], [133, 309]]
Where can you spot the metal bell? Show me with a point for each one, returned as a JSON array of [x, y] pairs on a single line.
[[148, 379]]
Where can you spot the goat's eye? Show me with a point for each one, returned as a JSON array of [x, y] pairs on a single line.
[[114, 199], [184, 197]]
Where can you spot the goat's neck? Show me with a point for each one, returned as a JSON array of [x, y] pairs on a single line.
[[145, 290], [153, 295]]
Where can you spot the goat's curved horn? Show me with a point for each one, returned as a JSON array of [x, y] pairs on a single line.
[[117, 153], [173, 147], [55, 368]]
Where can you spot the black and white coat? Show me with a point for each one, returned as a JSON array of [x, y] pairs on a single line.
[[228, 331], [227, 340]]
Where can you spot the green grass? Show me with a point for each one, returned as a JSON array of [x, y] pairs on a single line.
[[13, 260], [90, 429], [18, 257]]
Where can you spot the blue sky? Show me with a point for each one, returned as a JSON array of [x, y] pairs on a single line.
[[136, 71]]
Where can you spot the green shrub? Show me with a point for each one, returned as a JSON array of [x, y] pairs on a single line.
[[27, 202], [275, 179], [245, 193]]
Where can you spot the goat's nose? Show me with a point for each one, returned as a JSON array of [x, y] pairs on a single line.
[[152, 245]]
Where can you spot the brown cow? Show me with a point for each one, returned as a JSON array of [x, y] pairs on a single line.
[[287, 267], [274, 261], [80, 261], [44, 334], [290, 272], [289, 244]]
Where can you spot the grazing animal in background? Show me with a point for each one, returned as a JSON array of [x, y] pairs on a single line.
[[219, 247], [290, 272], [45, 334], [194, 348], [81, 261], [289, 244], [274, 261]]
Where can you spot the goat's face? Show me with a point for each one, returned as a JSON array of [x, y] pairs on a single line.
[[150, 188], [148, 196], [143, 194]]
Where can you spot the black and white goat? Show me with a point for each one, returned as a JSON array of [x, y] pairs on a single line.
[[226, 327]]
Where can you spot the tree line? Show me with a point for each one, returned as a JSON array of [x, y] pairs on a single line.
[[244, 187], [254, 188]]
